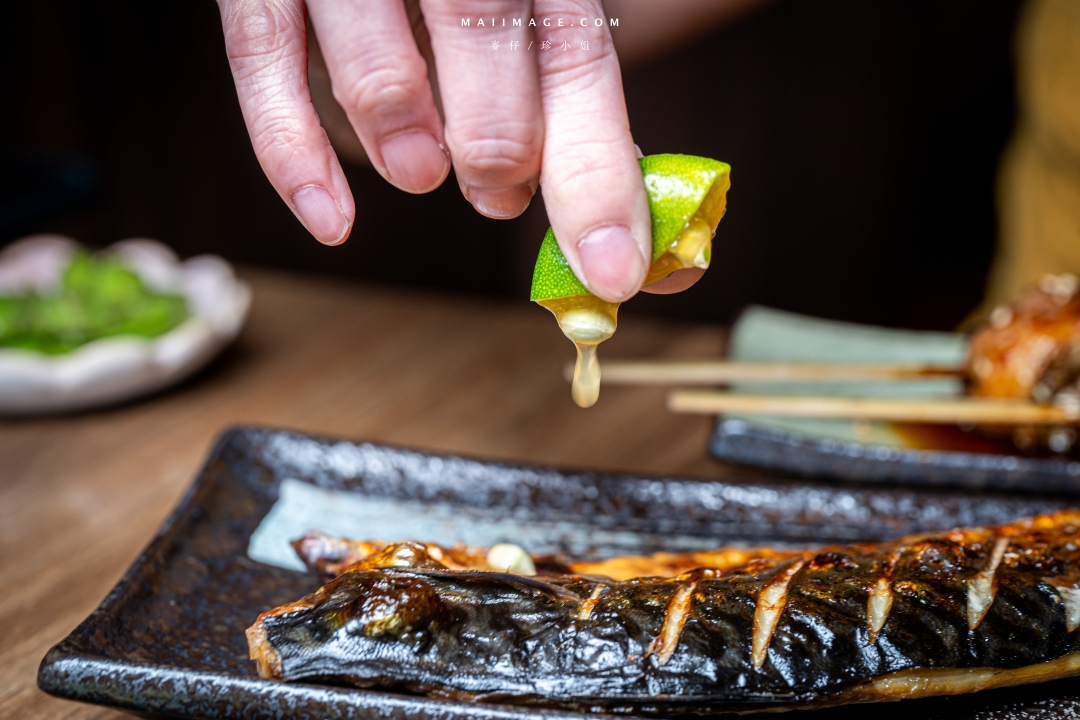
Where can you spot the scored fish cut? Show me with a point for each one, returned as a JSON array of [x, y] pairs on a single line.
[[932, 614]]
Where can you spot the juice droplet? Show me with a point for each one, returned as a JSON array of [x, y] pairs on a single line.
[[587, 321], [586, 387], [693, 244], [692, 248]]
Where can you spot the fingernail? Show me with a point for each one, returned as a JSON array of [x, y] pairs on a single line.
[[321, 215], [415, 161], [501, 203], [612, 262]]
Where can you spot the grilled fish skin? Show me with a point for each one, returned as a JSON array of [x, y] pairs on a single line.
[[933, 614], [331, 556]]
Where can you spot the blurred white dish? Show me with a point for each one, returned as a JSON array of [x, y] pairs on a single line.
[[115, 369]]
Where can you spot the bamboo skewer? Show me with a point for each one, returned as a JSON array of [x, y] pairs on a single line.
[[715, 372], [958, 411]]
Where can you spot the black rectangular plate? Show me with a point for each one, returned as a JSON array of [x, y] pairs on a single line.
[[814, 457], [168, 641]]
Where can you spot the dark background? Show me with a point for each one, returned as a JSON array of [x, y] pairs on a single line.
[[863, 138]]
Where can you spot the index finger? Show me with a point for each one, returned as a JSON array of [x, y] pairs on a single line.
[[266, 41]]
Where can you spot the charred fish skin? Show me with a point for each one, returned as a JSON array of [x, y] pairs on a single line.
[[1023, 625], [777, 631], [495, 633]]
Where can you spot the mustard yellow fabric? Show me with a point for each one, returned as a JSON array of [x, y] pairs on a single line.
[[1039, 178]]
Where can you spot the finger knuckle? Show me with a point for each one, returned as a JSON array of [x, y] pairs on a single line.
[[452, 9], [275, 134], [504, 147], [568, 8], [262, 30], [582, 162], [384, 88], [577, 71]]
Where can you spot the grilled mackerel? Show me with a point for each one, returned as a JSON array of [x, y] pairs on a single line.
[[933, 614]]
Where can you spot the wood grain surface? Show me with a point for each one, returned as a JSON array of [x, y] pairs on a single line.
[[81, 495]]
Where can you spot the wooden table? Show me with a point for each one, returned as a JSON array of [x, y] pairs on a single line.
[[80, 496]]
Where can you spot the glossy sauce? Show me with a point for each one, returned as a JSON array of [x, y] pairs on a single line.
[[692, 248], [927, 436], [587, 321]]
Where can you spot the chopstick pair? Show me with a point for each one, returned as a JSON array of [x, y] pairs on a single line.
[[714, 402]]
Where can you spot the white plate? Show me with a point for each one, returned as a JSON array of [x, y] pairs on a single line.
[[118, 368]]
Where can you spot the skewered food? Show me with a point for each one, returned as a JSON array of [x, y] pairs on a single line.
[[933, 614], [1022, 375], [1031, 351]]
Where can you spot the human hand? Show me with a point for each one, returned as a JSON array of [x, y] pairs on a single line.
[[515, 118]]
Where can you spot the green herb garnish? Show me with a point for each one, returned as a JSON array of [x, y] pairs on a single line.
[[98, 297]]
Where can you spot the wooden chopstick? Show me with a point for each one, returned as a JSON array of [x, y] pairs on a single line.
[[959, 411], [715, 372]]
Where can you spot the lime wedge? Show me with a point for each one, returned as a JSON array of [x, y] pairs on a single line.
[[687, 199], [552, 277]]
